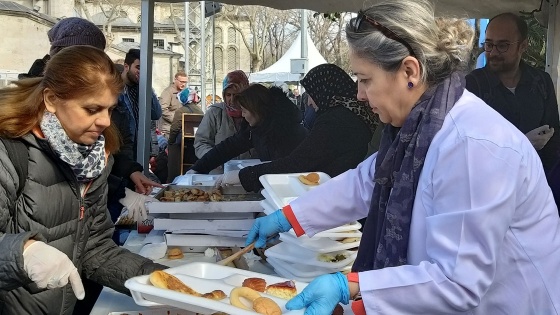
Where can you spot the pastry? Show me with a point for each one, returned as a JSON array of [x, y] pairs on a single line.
[[350, 240], [266, 306], [175, 253], [215, 295], [311, 179], [284, 290], [243, 292], [257, 284], [164, 280]]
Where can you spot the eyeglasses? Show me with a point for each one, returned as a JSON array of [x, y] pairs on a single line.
[[501, 47], [184, 82], [357, 22]]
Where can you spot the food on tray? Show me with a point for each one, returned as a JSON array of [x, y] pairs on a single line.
[[284, 290], [243, 292], [338, 310], [191, 194], [331, 258], [215, 295], [257, 284], [311, 179], [266, 306], [164, 280], [349, 240], [175, 253], [261, 305]]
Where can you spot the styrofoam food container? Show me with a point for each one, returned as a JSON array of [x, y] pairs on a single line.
[[203, 277], [320, 245], [296, 254], [284, 188]]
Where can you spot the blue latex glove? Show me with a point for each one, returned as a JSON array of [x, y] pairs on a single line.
[[322, 295], [267, 226]]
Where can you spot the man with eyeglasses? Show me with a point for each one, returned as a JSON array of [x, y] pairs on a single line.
[[522, 94], [170, 103]]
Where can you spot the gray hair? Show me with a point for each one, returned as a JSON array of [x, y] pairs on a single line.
[[442, 46]]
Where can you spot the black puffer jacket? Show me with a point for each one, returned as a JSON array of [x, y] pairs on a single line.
[[49, 210], [272, 139]]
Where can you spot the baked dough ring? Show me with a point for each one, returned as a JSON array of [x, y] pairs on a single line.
[[266, 306], [244, 292]]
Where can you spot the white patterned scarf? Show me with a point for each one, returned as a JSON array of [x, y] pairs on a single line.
[[87, 161]]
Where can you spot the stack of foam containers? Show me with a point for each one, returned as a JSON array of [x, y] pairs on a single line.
[[304, 258]]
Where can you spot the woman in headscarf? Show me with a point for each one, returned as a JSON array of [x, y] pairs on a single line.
[[460, 217], [274, 130], [338, 140], [222, 120]]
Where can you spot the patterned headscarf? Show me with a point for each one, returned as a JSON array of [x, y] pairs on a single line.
[[87, 162], [237, 80], [330, 86]]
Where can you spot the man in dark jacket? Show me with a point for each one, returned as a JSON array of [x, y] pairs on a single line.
[[522, 94]]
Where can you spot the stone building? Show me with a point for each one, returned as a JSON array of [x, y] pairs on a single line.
[[25, 24]]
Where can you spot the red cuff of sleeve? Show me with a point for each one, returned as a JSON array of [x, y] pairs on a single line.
[[289, 213], [353, 277], [358, 307]]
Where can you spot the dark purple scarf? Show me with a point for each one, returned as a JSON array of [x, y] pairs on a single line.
[[397, 169]]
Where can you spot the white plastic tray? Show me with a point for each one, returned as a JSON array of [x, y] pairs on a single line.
[[298, 255], [233, 165], [267, 206], [203, 277], [320, 245], [195, 180], [280, 268], [334, 235], [303, 271], [284, 188]]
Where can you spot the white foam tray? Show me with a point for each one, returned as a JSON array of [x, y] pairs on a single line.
[[303, 271], [267, 206], [320, 245], [284, 188], [203, 277], [195, 180], [333, 234], [279, 268], [298, 255]]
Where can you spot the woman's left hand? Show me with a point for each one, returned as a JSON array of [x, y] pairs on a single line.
[[228, 178], [142, 183], [322, 295]]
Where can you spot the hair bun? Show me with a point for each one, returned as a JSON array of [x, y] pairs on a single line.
[[455, 38]]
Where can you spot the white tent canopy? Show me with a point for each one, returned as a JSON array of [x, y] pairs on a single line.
[[280, 70]]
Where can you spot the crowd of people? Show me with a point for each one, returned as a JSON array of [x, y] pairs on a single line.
[[459, 215]]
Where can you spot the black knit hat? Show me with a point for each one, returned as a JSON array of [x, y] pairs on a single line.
[[75, 31]]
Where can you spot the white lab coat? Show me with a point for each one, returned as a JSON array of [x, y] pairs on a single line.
[[485, 232]]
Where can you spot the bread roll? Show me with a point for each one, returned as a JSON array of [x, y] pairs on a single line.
[[266, 306], [175, 253], [257, 284]]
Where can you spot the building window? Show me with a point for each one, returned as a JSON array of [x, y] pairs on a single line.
[[219, 59], [232, 59], [231, 36], [128, 40], [159, 43], [219, 36]]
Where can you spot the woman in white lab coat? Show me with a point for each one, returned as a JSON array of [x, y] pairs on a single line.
[[460, 218]]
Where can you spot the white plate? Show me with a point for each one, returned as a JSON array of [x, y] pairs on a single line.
[[203, 277], [320, 245], [296, 254], [284, 188]]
